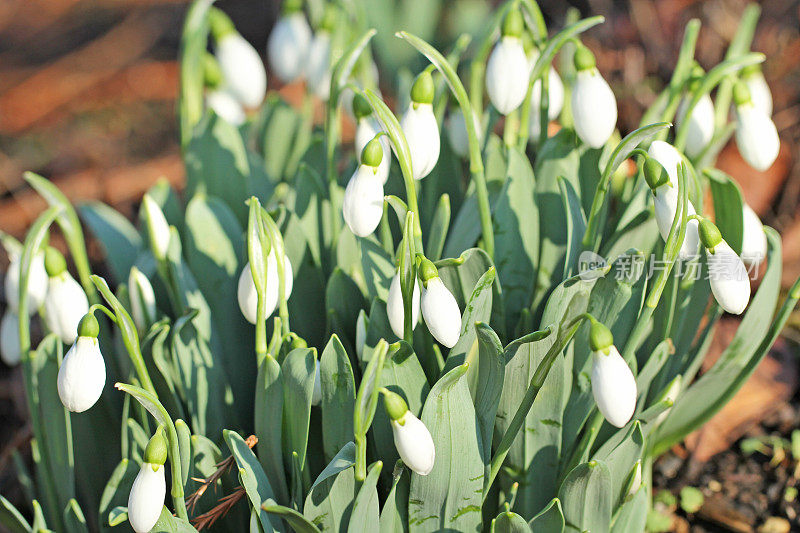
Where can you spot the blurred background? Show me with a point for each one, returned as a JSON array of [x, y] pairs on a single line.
[[87, 99]]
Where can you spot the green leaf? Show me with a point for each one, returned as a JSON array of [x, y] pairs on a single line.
[[478, 308], [551, 518], [338, 397], [728, 207], [120, 240], [298, 373], [632, 515], [437, 233], [117, 516], [280, 131], [330, 500], [509, 522], [489, 377], [171, 524], [627, 145], [366, 512], [622, 459], [73, 517], [378, 268], [185, 447], [394, 514], [450, 496], [253, 479], [11, 518], [343, 301], [575, 225], [117, 491], [193, 48], [269, 425], [298, 522], [586, 498]]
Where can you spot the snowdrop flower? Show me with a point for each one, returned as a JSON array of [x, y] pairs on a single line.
[[147, 494], [507, 70], [555, 97], [613, 384], [754, 80], [82, 375], [157, 227], [411, 437], [420, 127], [756, 135], [143, 300], [594, 107], [65, 303], [226, 106], [700, 122], [727, 274], [37, 282], [287, 48], [241, 66], [636, 478], [362, 207], [439, 307], [395, 309], [671, 394], [754, 240], [318, 65], [246, 291], [10, 352], [367, 127], [316, 395], [661, 174]]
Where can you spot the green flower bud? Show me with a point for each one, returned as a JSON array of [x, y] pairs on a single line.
[[749, 70], [212, 74], [422, 91], [88, 326], [654, 173], [600, 337], [361, 107], [513, 25], [292, 6], [709, 234], [328, 22], [298, 342], [426, 269], [156, 451], [583, 58], [395, 405], [220, 24], [54, 262], [372, 153], [741, 94]]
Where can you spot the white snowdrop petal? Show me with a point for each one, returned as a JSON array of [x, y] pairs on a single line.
[[366, 130], [422, 133], [143, 299], [441, 313], [594, 108], [665, 201], [613, 387], [700, 126], [226, 106], [37, 283], [288, 45], [759, 92], [394, 306], [754, 240], [507, 75], [147, 497], [248, 296], [318, 69], [82, 375], [728, 278], [362, 207], [555, 102], [756, 137], [64, 306], [9, 339], [242, 69], [414, 444]]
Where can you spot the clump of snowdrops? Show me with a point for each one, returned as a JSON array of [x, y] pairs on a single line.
[[435, 327]]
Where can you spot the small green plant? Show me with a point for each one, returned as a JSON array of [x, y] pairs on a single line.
[[459, 323]]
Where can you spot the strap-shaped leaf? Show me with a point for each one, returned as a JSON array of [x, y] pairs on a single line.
[[551, 518], [120, 240], [338, 397], [728, 207], [298, 522], [586, 497], [366, 512], [253, 479]]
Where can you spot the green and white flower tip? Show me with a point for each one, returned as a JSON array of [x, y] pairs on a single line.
[[248, 296], [636, 478], [507, 71], [671, 394], [754, 240], [157, 227], [395, 309], [143, 300], [661, 173], [727, 274], [753, 78], [756, 135], [147, 494], [219, 97], [438, 305], [701, 121], [411, 437], [613, 384], [289, 42], [318, 65], [10, 352], [594, 107], [367, 127], [242, 69], [65, 303], [362, 206], [555, 97], [82, 374], [37, 282], [420, 127]]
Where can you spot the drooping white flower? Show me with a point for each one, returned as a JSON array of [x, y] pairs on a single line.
[[700, 126], [9, 338], [242, 69], [613, 386], [636, 481], [727, 274], [143, 300], [65, 303], [246, 291], [439, 307], [37, 283], [316, 395], [507, 70], [673, 390], [411, 437], [318, 67], [756, 135], [753, 78], [555, 100], [226, 106], [157, 227], [420, 127], [287, 48], [147, 494], [754, 240], [82, 374], [367, 127], [594, 106], [362, 206], [394, 306]]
